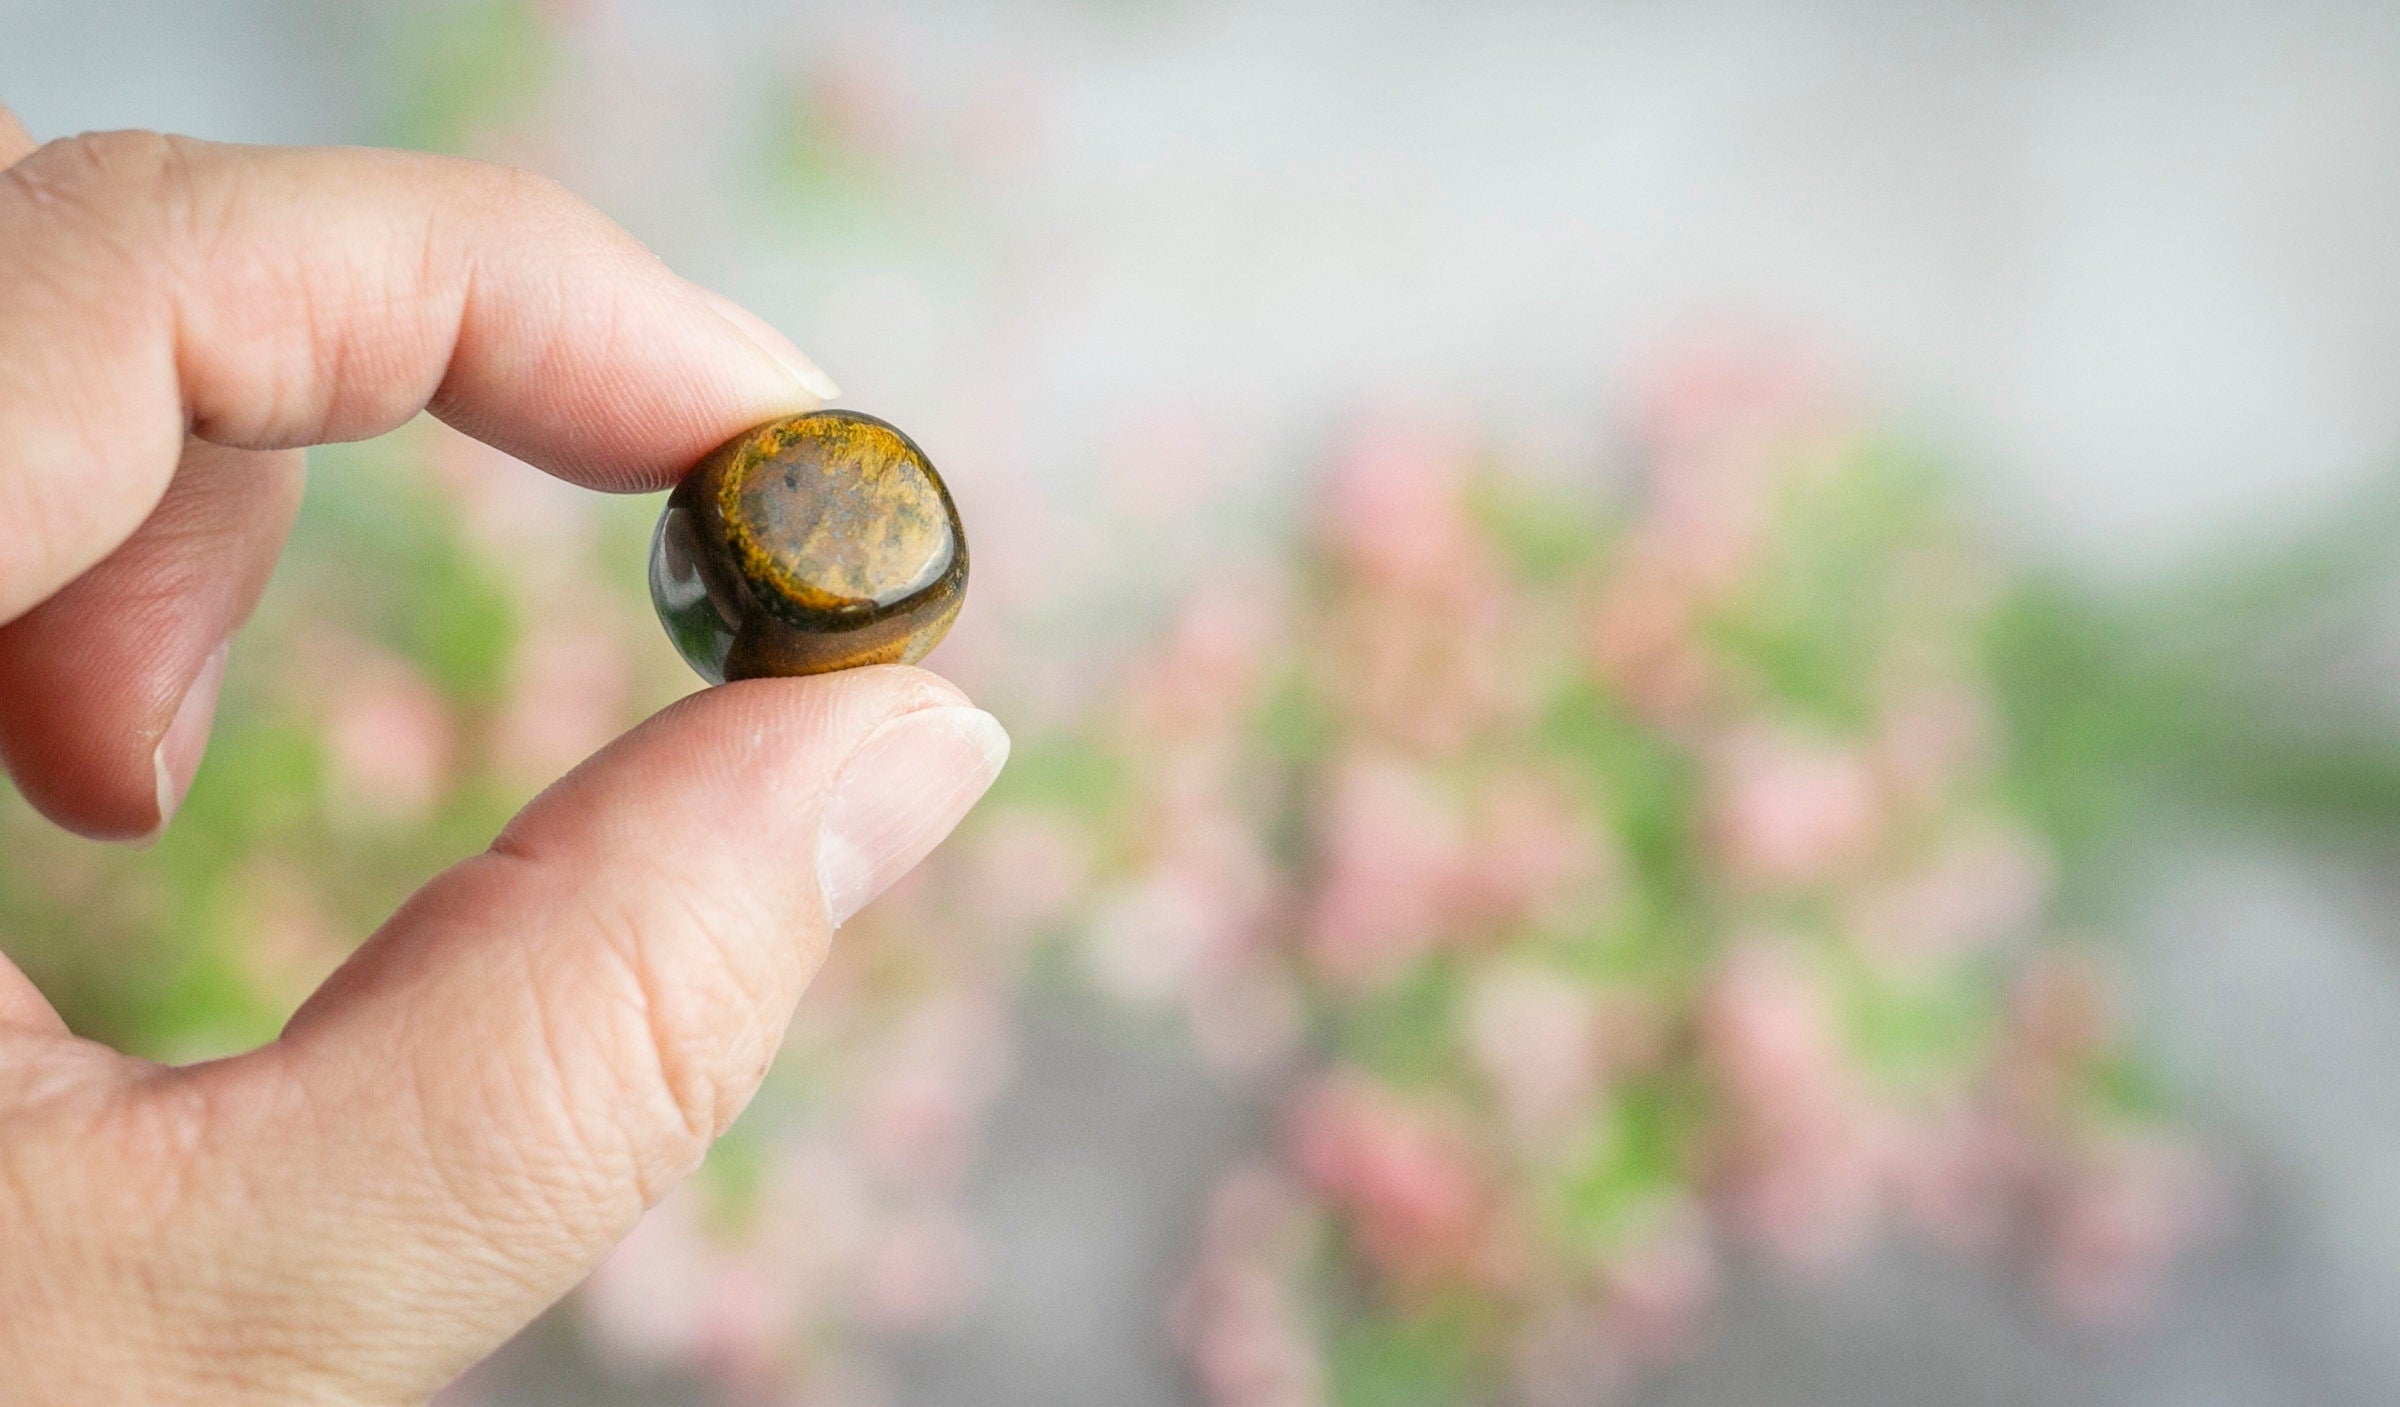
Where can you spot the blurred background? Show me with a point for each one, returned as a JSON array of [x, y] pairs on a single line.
[[1701, 690]]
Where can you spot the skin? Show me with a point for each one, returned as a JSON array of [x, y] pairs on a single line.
[[468, 1115]]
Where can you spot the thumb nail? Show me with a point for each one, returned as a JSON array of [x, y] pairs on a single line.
[[177, 756], [778, 348], [904, 789]]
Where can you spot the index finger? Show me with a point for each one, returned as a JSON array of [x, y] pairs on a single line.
[[269, 297]]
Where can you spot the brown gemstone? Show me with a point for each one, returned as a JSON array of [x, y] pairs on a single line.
[[819, 542]]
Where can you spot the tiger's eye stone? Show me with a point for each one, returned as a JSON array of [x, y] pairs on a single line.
[[819, 542]]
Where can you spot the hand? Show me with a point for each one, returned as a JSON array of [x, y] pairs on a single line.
[[467, 1115]]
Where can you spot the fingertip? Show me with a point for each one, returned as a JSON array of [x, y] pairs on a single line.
[[108, 688], [788, 360], [176, 759], [627, 383], [726, 790], [902, 792]]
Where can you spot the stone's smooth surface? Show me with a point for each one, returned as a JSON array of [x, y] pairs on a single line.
[[819, 542]]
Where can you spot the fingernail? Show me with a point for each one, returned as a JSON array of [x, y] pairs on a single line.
[[777, 347], [904, 789], [177, 756]]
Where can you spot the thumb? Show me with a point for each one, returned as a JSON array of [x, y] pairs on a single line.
[[484, 1100]]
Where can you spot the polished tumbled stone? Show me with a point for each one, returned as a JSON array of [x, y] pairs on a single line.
[[819, 542]]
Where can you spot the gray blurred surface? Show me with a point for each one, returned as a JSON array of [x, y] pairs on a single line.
[[2144, 258], [1099, 1169], [2140, 256]]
